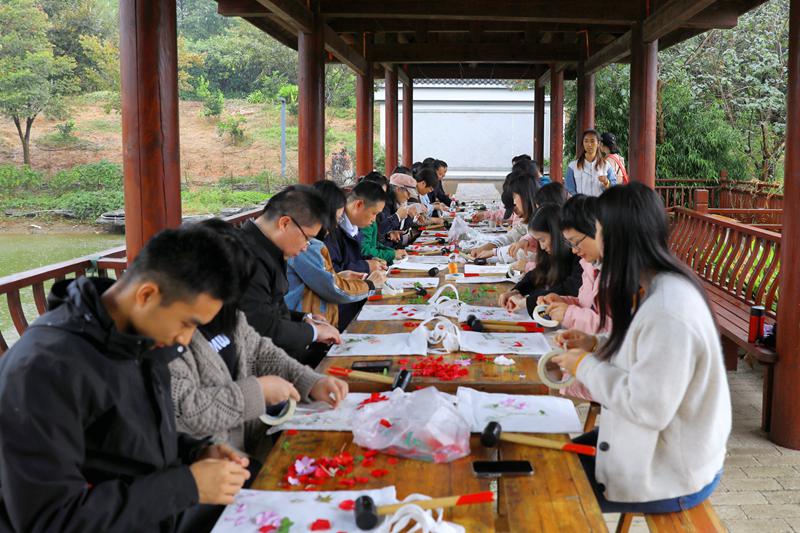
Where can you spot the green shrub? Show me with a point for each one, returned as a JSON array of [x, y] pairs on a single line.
[[66, 130], [89, 205], [232, 127], [213, 101], [257, 97], [14, 179], [90, 177], [290, 93]]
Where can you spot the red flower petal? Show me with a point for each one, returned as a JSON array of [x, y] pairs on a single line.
[[368, 461], [370, 453], [320, 524], [347, 505], [393, 460], [379, 472], [291, 432], [361, 479], [347, 482], [266, 529], [385, 423]]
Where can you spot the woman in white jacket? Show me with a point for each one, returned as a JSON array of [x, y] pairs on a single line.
[[591, 173], [659, 374]]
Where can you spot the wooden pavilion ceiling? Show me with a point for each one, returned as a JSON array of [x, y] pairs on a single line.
[[504, 39]]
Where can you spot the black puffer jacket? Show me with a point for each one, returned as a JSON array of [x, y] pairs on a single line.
[[87, 431]]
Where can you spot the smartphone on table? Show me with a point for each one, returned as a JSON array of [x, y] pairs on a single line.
[[502, 468]]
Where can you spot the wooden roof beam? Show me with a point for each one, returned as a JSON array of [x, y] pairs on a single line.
[[482, 71], [473, 53], [344, 52], [242, 8], [544, 79], [462, 26], [297, 15], [597, 12]]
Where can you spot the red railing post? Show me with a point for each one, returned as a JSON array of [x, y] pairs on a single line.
[[700, 199], [556, 123]]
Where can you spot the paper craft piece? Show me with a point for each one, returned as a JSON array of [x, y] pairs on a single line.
[[411, 265], [430, 260], [482, 279], [410, 283], [486, 313], [395, 312], [388, 344], [519, 413], [319, 416], [285, 512], [504, 343], [426, 248], [485, 269]]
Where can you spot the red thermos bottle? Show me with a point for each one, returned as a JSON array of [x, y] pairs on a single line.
[[757, 317]]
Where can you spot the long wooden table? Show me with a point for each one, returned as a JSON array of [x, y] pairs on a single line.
[[557, 497]]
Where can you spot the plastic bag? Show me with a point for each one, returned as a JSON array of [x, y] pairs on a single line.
[[423, 425]]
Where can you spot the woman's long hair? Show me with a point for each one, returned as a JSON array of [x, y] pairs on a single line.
[[599, 159], [525, 186], [335, 200], [634, 232], [554, 265]]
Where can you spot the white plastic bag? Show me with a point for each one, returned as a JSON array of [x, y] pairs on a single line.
[[423, 425]]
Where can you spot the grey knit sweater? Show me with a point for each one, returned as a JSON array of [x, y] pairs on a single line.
[[209, 402]]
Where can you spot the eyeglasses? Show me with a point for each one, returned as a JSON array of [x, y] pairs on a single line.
[[307, 238], [574, 245]]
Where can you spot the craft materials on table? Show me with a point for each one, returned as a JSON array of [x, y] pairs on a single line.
[[461, 279], [504, 343], [522, 413], [266, 511], [414, 343], [541, 317], [550, 374], [493, 433], [401, 381], [429, 260], [395, 312], [320, 416], [488, 315], [410, 283], [485, 269]]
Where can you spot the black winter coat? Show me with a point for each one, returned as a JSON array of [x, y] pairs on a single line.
[[87, 429]]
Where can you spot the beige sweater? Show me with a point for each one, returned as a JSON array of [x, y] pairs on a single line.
[[666, 405], [209, 402]]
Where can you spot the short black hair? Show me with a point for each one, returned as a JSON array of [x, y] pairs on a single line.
[[335, 199], [580, 214], [526, 166], [439, 164], [428, 161], [371, 176], [185, 263], [428, 175], [369, 191], [301, 202], [377, 177], [520, 157], [552, 193], [403, 170]]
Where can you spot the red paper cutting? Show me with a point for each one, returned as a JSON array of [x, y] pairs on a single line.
[[320, 525]]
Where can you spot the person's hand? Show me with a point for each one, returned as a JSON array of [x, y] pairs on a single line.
[[316, 319], [516, 303], [439, 206], [503, 300], [218, 480], [569, 360], [574, 338], [400, 254], [523, 245], [435, 221], [328, 334], [548, 299], [519, 265], [395, 236], [223, 451], [349, 274], [557, 310], [376, 264], [604, 181], [421, 219], [378, 278], [329, 390], [402, 212], [482, 254], [277, 389]]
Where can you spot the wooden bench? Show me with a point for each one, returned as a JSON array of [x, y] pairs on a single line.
[[699, 519], [739, 266]]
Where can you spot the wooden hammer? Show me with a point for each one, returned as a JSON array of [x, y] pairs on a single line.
[[368, 515], [493, 434]]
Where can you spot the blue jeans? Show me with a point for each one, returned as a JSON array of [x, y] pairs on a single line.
[[670, 505]]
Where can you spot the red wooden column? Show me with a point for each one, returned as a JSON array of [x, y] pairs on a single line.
[[644, 77], [149, 94], [311, 104], [391, 119], [364, 122], [785, 407], [586, 104], [556, 124], [408, 124], [538, 126]]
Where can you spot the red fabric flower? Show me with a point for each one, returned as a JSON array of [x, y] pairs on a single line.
[[379, 472], [347, 505], [361, 479], [375, 397], [370, 453], [320, 524], [291, 432], [393, 460], [347, 482], [266, 529], [385, 423], [368, 461]]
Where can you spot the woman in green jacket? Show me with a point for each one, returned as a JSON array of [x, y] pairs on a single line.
[[370, 245]]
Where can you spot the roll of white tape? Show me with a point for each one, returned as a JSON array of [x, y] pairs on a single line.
[[550, 377], [539, 317], [286, 413]]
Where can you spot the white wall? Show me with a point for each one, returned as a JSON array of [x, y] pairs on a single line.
[[476, 129]]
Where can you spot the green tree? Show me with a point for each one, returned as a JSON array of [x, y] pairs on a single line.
[[198, 19], [32, 78]]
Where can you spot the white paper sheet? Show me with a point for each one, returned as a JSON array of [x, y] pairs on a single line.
[[395, 312], [410, 283], [254, 509], [504, 343], [319, 416], [431, 260], [411, 264], [482, 279], [519, 413], [485, 269], [374, 344], [483, 312]]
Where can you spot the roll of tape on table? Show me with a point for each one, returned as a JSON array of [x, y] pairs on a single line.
[[286, 413], [545, 376], [541, 320]]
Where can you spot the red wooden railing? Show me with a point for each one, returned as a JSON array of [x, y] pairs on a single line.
[[100, 264], [678, 192], [741, 260]]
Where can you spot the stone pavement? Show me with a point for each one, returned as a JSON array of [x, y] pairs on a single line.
[[760, 487]]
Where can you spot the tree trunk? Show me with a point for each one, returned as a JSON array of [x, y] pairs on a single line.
[[26, 143]]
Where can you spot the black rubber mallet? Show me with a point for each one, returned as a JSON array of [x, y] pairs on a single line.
[[493, 434], [402, 380], [369, 515]]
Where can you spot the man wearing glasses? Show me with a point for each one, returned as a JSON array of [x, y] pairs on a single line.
[[281, 232]]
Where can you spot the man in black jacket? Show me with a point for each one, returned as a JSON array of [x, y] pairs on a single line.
[[282, 231], [87, 430], [438, 195]]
